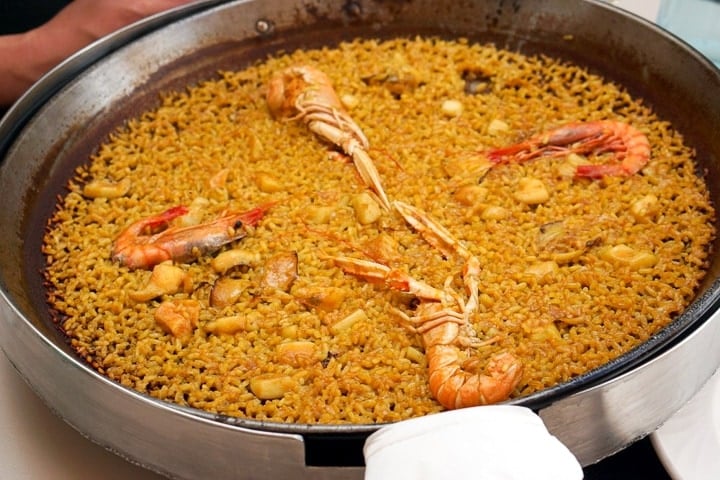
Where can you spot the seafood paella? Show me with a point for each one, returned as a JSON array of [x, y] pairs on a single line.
[[375, 232]]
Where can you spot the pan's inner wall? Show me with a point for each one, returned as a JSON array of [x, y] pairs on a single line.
[[672, 79]]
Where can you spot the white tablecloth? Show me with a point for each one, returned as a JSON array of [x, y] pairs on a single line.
[[37, 445]]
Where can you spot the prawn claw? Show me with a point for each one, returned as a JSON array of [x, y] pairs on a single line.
[[304, 92]]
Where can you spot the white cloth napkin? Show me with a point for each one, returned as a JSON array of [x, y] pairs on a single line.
[[502, 442]]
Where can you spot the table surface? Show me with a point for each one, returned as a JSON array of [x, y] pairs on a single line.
[[37, 444]]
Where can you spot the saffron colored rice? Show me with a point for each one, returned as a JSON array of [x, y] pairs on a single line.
[[553, 292]]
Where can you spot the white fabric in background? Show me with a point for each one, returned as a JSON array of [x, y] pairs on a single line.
[[500, 442]]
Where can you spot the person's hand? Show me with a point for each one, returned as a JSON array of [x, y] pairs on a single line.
[[27, 56], [92, 19]]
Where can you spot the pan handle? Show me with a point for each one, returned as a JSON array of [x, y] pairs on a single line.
[[335, 450]]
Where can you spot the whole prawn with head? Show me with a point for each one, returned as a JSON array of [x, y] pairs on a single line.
[[304, 92], [150, 241], [442, 318], [628, 143]]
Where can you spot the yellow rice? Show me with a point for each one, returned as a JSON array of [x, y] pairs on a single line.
[[561, 317]]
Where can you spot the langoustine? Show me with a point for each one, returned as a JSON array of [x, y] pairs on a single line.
[[304, 92], [443, 320]]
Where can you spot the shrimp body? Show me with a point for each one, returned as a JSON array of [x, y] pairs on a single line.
[[378, 273], [138, 247], [629, 144], [304, 92]]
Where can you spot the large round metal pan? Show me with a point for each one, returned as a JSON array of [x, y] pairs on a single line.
[[59, 122]]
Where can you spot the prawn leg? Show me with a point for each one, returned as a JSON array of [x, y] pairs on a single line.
[[378, 273], [439, 237]]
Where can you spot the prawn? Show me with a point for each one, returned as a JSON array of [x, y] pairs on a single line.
[[453, 381], [150, 241], [442, 320], [628, 143], [304, 92]]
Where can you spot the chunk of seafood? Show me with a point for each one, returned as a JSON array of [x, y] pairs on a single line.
[[470, 195], [415, 355], [320, 297], [562, 242], [195, 212], [398, 77], [106, 189], [451, 108], [268, 183], [348, 321], [497, 126], [467, 167], [493, 212], [178, 317], [319, 214], [542, 271], [226, 291], [269, 387], [235, 257], [531, 191], [625, 255], [280, 271], [230, 325], [383, 248], [166, 279], [367, 211], [219, 180], [299, 353], [645, 208]]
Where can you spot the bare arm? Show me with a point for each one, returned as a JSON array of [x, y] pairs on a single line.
[[25, 57]]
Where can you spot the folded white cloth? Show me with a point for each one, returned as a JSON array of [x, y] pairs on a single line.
[[501, 442]]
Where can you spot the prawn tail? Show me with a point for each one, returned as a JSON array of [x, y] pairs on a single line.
[[453, 387]]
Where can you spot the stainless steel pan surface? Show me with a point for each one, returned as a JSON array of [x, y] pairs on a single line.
[[59, 122]]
